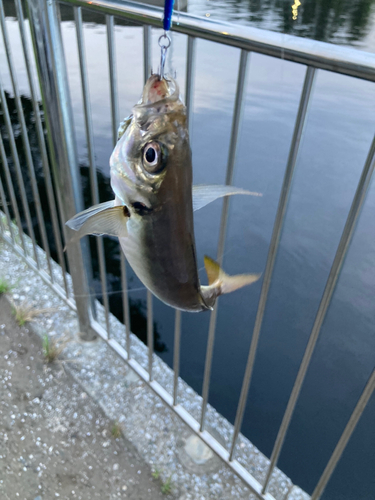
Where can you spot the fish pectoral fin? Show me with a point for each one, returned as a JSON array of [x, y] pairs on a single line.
[[222, 282], [204, 194], [100, 219], [78, 220]]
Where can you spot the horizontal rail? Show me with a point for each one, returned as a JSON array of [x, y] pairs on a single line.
[[319, 55], [185, 416]]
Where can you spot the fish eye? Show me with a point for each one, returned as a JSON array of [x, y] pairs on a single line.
[[152, 157]]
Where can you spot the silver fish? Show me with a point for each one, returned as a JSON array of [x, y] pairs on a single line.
[[152, 213]]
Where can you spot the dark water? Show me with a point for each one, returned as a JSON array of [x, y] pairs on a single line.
[[339, 130]]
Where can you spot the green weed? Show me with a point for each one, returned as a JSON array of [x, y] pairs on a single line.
[[52, 349], [156, 474], [116, 430], [25, 312], [5, 286], [166, 488]]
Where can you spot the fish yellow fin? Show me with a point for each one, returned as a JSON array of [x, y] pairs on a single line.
[[222, 280], [212, 269]]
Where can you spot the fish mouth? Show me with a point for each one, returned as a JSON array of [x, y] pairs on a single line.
[[159, 91]]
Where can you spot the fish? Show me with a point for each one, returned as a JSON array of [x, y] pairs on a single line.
[[152, 213]]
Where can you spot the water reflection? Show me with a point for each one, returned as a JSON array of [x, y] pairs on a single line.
[[341, 22], [295, 6], [137, 307], [344, 22]]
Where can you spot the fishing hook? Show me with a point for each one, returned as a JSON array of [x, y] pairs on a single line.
[[164, 44]]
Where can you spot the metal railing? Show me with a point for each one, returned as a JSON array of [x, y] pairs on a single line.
[[62, 161]]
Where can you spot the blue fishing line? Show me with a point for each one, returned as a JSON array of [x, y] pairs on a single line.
[[168, 10]]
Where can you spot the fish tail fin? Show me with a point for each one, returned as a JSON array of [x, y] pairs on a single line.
[[222, 281]]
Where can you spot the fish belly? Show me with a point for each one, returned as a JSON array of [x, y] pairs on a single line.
[[165, 263]]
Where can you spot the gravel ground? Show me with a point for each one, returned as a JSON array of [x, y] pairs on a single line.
[[55, 442]]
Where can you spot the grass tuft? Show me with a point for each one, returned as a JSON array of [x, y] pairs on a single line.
[[156, 474], [5, 286], [166, 488], [116, 430], [52, 348], [26, 312]]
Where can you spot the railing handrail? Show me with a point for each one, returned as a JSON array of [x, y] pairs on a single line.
[[321, 55]]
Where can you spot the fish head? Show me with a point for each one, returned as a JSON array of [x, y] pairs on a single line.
[[150, 157]]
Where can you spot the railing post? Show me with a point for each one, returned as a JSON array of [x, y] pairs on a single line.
[[48, 48]]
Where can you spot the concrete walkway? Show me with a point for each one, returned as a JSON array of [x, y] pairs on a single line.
[[55, 442]]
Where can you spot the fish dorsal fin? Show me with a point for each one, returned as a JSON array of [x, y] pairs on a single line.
[[213, 269], [104, 218], [203, 194]]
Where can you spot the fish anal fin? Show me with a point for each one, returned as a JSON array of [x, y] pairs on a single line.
[[213, 269], [220, 282]]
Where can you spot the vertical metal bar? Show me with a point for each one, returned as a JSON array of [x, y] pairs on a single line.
[[91, 154], [146, 52], [289, 490], [150, 335], [238, 108], [283, 201], [343, 441], [150, 319], [125, 302], [6, 211], [190, 67], [190, 74], [12, 195], [51, 66], [17, 167], [59, 204], [338, 261], [26, 144], [115, 123], [176, 355], [112, 77], [42, 147], [2, 226]]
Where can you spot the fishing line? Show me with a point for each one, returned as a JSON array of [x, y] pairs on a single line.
[[129, 290], [165, 40]]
